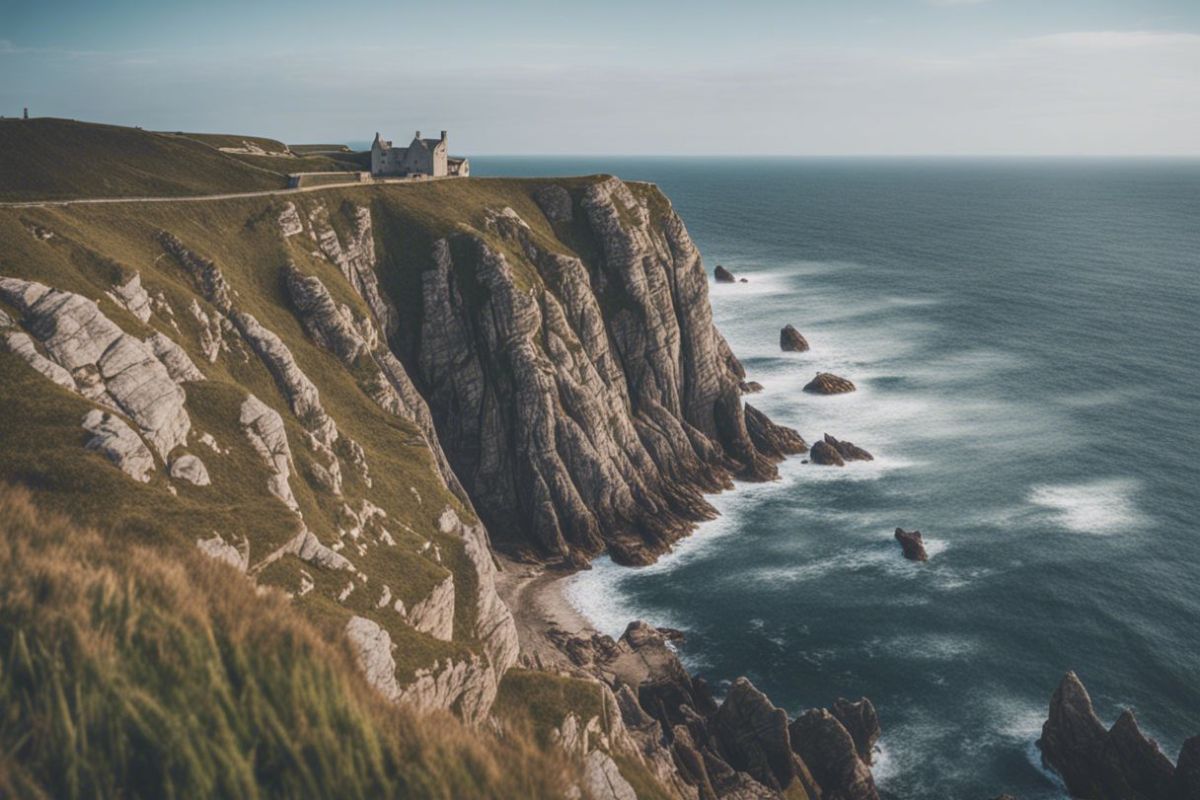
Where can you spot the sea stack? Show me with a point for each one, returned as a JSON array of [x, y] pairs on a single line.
[[828, 383], [790, 340], [848, 450], [722, 275], [826, 454], [912, 544]]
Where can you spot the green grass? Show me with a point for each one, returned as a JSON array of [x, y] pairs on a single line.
[[59, 159], [304, 149], [544, 700], [124, 673]]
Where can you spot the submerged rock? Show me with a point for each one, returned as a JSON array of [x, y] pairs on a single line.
[[828, 383], [912, 545], [790, 340], [826, 454], [722, 275]]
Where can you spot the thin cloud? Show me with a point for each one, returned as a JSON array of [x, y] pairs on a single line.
[[1114, 40]]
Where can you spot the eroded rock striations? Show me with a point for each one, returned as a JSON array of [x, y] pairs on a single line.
[[828, 383], [790, 340]]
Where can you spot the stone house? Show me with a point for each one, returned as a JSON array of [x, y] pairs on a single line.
[[421, 157]]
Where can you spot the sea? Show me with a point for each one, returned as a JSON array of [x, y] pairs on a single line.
[[1025, 339]]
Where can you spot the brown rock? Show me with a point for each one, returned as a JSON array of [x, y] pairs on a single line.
[[750, 387], [773, 440], [827, 748], [753, 736], [790, 340], [848, 450], [825, 454], [722, 275], [861, 721], [828, 383], [912, 544]]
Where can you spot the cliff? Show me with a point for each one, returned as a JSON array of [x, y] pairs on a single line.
[[345, 399]]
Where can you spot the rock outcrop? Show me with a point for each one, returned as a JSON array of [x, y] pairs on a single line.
[[826, 454], [1186, 783], [1100, 764], [772, 440], [824, 744], [862, 723], [828, 383], [722, 275], [848, 450], [118, 442], [790, 340], [911, 544]]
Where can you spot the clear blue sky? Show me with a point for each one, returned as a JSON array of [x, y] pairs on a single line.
[[627, 76]]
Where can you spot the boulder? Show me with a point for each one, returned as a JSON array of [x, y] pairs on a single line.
[[828, 749], [828, 383], [912, 545], [861, 722], [825, 454], [848, 450], [722, 275], [750, 387], [190, 468], [790, 340]]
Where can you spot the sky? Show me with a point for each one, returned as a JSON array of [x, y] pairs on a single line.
[[738, 77]]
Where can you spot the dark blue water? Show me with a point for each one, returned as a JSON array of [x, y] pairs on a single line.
[[1024, 338]]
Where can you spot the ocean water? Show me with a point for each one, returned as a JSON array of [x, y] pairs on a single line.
[[1024, 335]]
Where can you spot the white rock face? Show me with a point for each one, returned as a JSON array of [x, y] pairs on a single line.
[[190, 468], [373, 650], [216, 547], [23, 346], [602, 780], [108, 365], [179, 365], [134, 297], [211, 340], [469, 686], [264, 428], [289, 221], [116, 440], [435, 614]]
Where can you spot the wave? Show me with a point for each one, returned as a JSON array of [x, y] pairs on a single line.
[[1099, 507]]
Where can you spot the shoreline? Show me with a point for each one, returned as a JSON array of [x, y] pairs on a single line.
[[537, 598]]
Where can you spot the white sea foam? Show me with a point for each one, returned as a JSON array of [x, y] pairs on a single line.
[[1098, 507]]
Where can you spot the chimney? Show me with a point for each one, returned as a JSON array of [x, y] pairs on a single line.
[[443, 136], [26, 114], [418, 136]]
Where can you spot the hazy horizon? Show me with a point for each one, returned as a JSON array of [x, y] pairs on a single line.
[[860, 78]]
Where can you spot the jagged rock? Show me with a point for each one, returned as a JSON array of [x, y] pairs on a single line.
[[116, 440], [355, 258], [827, 748], [753, 736], [722, 275], [773, 440], [750, 387], [1186, 784], [468, 686], [555, 202], [217, 548], [372, 647], [206, 275], [134, 297], [307, 547], [331, 326], [911, 544], [23, 346], [211, 340], [179, 365], [435, 614], [848, 450], [861, 722], [289, 221], [602, 779], [828, 383], [5, 320], [1097, 764], [264, 428], [190, 468], [108, 365], [826, 454], [790, 340]]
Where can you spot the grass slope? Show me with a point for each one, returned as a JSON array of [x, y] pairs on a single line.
[[57, 159], [127, 672]]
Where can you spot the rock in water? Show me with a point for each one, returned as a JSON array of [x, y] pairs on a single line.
[[825, 454], [828, 383], [912, 544], [862, 723], [774, 440], [1104, 765], [828, 749], [722, 275], [848, 450], [754, 736], [750, 387], [790, 340]]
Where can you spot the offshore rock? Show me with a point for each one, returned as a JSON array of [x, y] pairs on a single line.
[[862, 723], [790, 340], [829, 751], [118, 442], [848, 450], [750, 387], [722, 275], [772, 440], [911, 544], [826, 454], [828, 383]]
